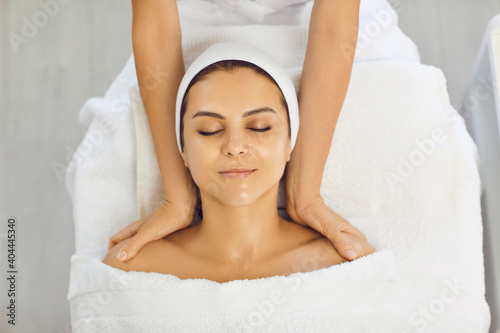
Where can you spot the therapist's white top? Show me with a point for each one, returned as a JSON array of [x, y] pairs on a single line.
[[243, 12]]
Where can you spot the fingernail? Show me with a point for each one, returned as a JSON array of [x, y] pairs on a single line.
[[122, 255], [351, 254]]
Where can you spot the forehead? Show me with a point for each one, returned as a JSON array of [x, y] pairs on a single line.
[[234, 90]]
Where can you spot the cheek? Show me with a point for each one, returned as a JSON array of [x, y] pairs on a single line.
[[200, 159], [276, 138], [273, 154]]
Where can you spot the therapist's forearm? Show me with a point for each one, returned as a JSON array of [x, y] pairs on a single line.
[[325, 79], [157, 45]]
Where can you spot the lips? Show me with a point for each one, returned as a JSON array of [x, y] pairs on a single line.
[[237, 173]]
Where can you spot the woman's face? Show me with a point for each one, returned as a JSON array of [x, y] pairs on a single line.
[[257, 140]]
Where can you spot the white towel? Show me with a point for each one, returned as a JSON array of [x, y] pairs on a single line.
[[360, 296], [434, 231]]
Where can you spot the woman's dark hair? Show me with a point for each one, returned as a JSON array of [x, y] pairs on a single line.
[[225, 66]]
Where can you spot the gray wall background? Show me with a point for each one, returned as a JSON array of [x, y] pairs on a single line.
[[76, 55]]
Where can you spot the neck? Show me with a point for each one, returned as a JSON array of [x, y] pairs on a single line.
[[240, 235]]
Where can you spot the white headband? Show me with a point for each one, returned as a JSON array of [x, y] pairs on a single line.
[[243, 52]]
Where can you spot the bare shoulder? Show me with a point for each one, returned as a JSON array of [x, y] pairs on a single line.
[[148, 259], [326, 255]]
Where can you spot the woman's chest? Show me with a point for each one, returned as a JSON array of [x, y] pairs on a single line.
[[185, 265]]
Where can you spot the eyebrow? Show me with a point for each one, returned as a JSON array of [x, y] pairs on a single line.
[[245, 114]]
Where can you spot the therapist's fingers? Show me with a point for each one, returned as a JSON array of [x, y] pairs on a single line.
[[168, 218], [335, 232], [321, 218], [125, 233], [147, 233], [353, 230], [334, 225]]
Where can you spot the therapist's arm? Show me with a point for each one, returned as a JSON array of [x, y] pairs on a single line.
[[157, 46], [333, 32]]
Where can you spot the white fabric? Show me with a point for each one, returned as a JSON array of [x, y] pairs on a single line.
[[413, 193], [430, 221], [358, 297], [379, 36], [223, 12]]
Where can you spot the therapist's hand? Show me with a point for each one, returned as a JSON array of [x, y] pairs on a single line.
[[168, 218], [313, 211]]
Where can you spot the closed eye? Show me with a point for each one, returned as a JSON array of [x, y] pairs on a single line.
[[260, 129], [252, 129], [208, 133]]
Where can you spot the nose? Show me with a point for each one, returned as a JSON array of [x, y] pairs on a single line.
[[235, 144]]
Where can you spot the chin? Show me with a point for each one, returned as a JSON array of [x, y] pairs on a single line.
[[237, 200]]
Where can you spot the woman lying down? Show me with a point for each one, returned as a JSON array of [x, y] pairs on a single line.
[[237, 121], [243, 268]]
